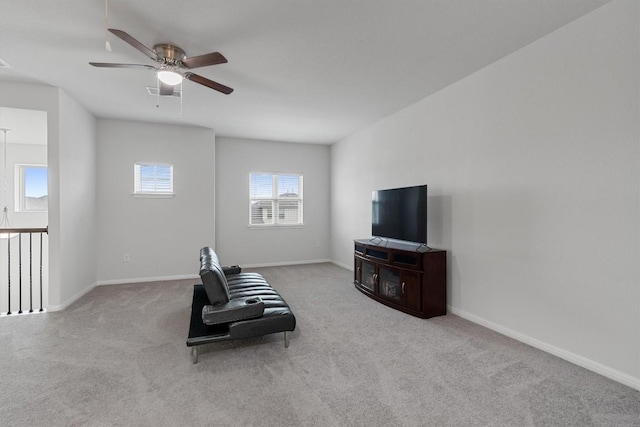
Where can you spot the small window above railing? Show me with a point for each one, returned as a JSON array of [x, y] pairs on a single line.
[[31, 188]]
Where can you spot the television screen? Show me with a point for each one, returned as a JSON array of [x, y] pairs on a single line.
[[400, 213]]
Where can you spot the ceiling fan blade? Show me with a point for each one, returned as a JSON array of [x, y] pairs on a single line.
[[208, 83], [135, 43], [212, 58], [113, 65], [166, 90]]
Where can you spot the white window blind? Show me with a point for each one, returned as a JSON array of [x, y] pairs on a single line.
[[153, 178], [275, 199]]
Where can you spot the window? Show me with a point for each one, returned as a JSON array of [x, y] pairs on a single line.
[[153, 179], [31, 188], [271, 193]]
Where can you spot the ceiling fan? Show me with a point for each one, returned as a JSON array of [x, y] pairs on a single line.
[[172, 64]]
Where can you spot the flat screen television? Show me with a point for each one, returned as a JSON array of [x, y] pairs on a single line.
[[400, 213]]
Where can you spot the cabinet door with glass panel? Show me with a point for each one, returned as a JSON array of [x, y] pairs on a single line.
[[368, 275], [400, 286], [389, 283]]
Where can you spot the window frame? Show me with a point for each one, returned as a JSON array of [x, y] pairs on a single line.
[[276, 199], [137, 189], [20, 186]]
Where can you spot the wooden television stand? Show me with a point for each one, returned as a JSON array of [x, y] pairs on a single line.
[[402, 275]]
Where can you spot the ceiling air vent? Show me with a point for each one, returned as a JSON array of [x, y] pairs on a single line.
[[154, 92]]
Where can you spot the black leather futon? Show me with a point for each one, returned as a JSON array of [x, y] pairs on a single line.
[[230, 304]]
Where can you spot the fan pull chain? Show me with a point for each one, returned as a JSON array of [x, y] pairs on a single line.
[[107, 45], [181, 95]]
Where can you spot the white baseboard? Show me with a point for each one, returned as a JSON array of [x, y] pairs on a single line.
[[79, 295], [576, 359], [281, 264], [339, 264], [72, 299], [147, 279]]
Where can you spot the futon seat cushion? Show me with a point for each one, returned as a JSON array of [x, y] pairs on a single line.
[[277, 317]]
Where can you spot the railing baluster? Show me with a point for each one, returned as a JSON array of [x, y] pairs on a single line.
[[19, 273], [30, 272], [9, 273], [41, 237]]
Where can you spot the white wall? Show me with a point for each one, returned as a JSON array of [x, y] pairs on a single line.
[[162, 236], [77, 199], [236, 243], [533, 172]]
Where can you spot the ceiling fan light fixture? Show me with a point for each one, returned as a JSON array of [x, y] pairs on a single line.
[[169, 76], [173, 63]]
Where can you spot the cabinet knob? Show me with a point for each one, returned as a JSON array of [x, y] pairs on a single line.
[[403, 287]]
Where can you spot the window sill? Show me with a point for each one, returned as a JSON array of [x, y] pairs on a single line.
[[273, 226], [153, 195]]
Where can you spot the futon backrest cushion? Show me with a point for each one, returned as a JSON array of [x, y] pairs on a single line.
[[213, 278]]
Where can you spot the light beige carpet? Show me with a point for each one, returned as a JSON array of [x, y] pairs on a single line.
[[118, 357]]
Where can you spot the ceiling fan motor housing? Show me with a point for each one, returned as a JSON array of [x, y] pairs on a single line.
[[169, 53]]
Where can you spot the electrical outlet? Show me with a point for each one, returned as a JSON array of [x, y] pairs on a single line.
[[126, 258]]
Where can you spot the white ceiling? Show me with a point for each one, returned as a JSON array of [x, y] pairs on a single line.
[[302, 70], [23, 126]]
